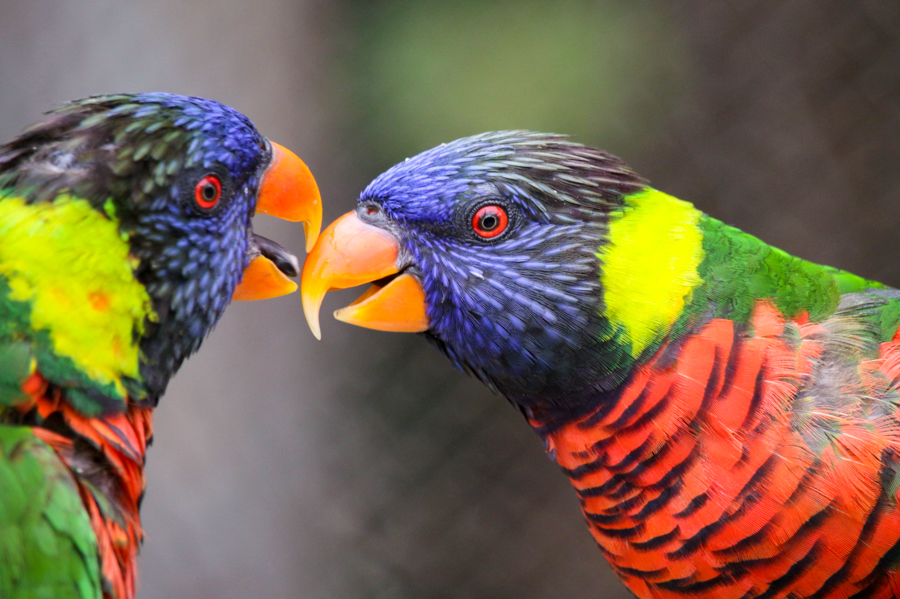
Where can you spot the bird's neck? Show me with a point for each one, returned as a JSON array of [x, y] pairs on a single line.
[[189, 290], [49, 278], [666, 267], [649, 268], [666, 271]]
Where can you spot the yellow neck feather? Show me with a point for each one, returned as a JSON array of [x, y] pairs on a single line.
[[72, 266], [649, 265]]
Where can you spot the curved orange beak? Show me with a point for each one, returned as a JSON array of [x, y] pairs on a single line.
[[350, 253], [287, 191]]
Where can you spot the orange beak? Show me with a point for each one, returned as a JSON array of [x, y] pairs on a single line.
[[351, 252], [287, 191]]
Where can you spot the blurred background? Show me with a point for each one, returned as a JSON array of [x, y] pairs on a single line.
[[364, 465]]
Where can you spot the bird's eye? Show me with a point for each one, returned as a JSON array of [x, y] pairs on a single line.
[[208, 192], [490, 221]]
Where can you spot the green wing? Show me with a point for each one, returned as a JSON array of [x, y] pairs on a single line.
[[47, 546]]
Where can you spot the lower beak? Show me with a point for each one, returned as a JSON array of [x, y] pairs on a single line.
[[350, 253], [287, 191], [267, 274]]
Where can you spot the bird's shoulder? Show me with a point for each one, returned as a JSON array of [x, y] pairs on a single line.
[[70, 298]]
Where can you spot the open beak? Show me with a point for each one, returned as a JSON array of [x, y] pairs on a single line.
[[350, 253], [287, 191]]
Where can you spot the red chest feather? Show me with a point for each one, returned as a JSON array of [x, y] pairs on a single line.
[[750, 465]]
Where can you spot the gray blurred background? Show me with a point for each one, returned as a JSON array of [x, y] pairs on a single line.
[[364, 465]]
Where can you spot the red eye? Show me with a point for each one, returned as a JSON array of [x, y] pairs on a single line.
[[490, 221], [208, 191]]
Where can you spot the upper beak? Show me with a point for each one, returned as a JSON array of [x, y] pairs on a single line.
[[351, 252], [287, 191]]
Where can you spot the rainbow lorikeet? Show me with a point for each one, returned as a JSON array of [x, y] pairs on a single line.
[[125, 230], [727, 413]]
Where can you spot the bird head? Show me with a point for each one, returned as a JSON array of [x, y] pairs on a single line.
[[490, 246], [180, 177]]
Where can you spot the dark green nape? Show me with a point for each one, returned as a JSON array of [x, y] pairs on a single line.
[[15, 367]]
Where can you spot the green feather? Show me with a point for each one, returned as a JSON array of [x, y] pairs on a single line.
[[738, 269], [47, 547], [16, 364]]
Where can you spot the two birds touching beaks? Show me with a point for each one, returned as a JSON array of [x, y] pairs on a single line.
[[727, 413]]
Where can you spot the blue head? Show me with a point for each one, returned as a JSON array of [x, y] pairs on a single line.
[[502, 230]]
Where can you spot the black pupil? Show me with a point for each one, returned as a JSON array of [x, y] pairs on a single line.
[[209, 192], [489, 222]]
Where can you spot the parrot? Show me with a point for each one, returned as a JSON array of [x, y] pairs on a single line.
[[727, 413], [125, 231]]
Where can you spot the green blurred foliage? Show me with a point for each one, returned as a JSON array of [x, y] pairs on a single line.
[[428, 72]]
